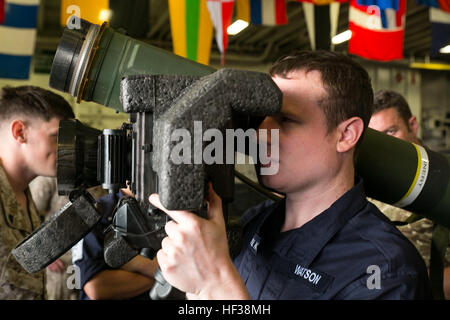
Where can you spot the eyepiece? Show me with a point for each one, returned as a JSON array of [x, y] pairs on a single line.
[[72, 57], [77, 156]]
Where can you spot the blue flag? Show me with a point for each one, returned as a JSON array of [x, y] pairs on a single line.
[[18, 36]]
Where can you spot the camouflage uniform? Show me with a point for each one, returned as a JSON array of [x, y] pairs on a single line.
[[418, 232], [15, 225]]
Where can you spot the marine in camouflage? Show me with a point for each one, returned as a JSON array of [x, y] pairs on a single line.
[[15, 225], [418, 232]]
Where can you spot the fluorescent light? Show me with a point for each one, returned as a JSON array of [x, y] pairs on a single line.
[[105, 15], [237, 27], [342, 37], [445, 49]]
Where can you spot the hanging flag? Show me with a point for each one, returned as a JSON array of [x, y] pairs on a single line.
[[387, 10], [221, 12], [382, 4], [262, 12], [439, 4], [18, 36], [377, 29], [192, 29], [93, 11], [440, 30], [321, 31]]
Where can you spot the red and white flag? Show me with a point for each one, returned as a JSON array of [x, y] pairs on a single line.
[[377, 30], [221, 12]]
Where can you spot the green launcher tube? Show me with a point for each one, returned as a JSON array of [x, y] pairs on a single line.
[[405, 175], [91, 61]]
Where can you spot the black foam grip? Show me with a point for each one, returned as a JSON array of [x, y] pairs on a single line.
[[117, 251], [57, 235], [152, 93], [211, 100]]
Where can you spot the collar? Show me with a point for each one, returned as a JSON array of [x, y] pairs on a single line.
[[308, 240], [15, 216]]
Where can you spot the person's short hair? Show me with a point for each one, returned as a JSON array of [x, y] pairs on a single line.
[[385, 99], [34, 103], [347, 83]]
